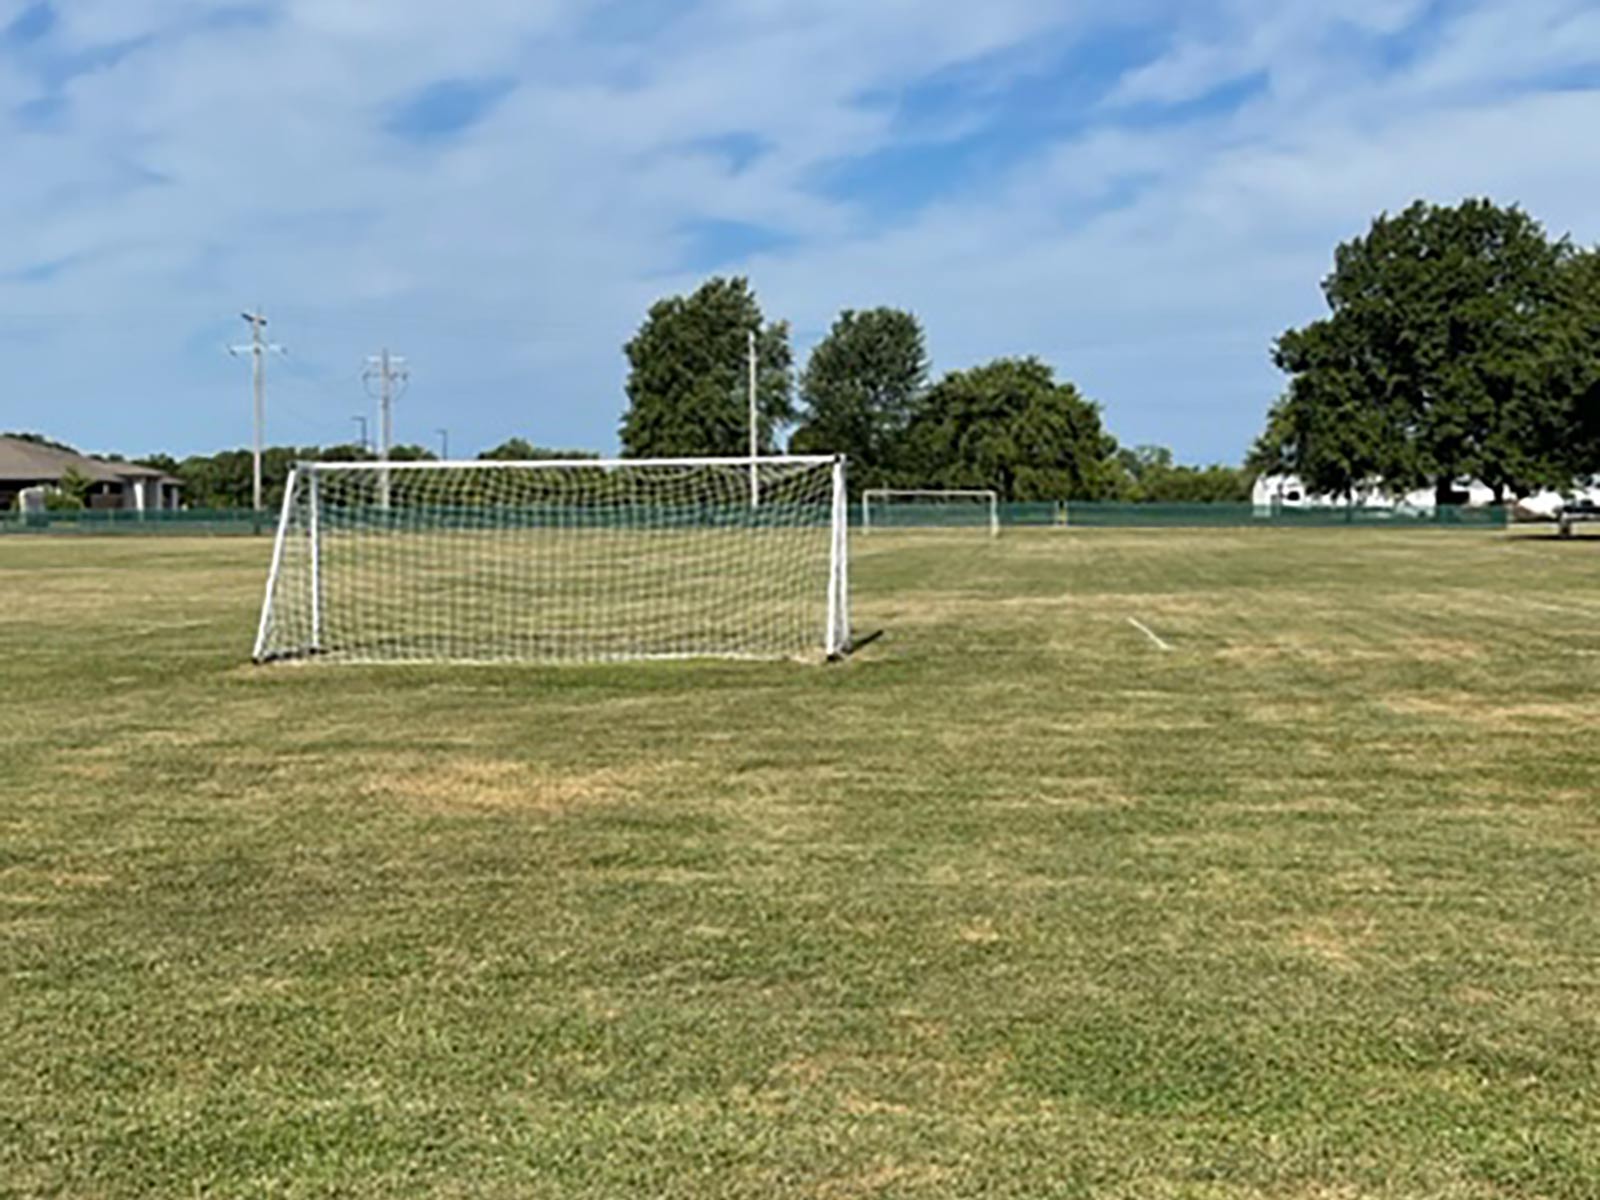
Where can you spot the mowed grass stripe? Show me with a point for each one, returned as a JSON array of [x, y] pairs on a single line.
[[1006, 906]]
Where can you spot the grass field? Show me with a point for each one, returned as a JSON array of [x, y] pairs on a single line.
[[1016, 903]]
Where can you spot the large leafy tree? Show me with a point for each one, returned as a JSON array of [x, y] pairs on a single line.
[[859, 390], [1338, 425], [1438, 359], [687, 379], [1009, 425], [1576, 381]]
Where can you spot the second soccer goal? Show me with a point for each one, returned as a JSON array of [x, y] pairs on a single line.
[[583, 560], [931, 508]]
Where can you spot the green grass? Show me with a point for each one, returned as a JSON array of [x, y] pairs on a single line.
[[1013, 904]]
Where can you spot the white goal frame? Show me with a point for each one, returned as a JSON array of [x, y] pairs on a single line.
[[881, 494], [305, 517]]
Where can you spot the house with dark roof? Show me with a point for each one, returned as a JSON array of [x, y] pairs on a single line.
[[26, 464]]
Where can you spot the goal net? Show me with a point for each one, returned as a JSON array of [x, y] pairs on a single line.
[[587, 560], [974, 508]]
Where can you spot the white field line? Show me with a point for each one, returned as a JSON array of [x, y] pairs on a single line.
[[1148, 632]]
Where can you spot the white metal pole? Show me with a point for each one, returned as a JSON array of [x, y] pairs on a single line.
[[314, 527], [755, 444], [258, 349], [258, 381], [386, 427], [838, 633], [277, 564], [994, 514]]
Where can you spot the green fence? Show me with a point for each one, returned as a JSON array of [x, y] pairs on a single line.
[[1074, 514], [90, 521], [1128, 516], [1111, 515]]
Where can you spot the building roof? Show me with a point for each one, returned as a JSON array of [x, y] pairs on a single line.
[[22, 461]]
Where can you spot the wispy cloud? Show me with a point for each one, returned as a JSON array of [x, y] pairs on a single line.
[[500, 187]]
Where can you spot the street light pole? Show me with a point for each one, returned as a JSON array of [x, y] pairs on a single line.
[[258, 349]]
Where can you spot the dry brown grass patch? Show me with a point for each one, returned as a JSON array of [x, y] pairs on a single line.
[[502, 784], [893, 1179], [980, 933], [1333, 942], [1471, 709]]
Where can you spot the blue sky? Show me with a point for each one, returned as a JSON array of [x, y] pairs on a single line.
[[1144, 194]]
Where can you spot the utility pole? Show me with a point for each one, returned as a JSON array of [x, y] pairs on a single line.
[[755, 443], [391, 375], [444, 444], [258, 349], [361, 421]]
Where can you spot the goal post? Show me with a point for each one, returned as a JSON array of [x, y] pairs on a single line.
[[582, 560], [931, 507]]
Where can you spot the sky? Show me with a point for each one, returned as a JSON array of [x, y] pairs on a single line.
[[1143, 194]]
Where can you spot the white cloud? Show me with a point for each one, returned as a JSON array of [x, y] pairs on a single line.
[[222, 166]]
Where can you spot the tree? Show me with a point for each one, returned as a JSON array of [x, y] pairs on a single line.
[[521, 450], [38, 439], [409, 452], [1151, 476], [1439, 358], [1576, 380], [687, 389], [344, 452], [1008, 425], [71, 493], [859, 390], [1339, 425]]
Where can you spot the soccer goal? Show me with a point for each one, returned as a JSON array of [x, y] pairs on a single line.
[[940, 508], [577, 561]]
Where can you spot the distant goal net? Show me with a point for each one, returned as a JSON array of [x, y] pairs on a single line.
[[560, 561], [931, 508]]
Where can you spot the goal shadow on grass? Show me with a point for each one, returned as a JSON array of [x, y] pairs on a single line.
[[866, 639]]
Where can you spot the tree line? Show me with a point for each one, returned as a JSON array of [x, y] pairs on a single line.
[[1461, 343], [866, 392], [224, 480]]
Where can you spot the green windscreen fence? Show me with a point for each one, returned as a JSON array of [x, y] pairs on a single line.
[[94, 521], [1248, 515], [1021, 514], [1110, 515]]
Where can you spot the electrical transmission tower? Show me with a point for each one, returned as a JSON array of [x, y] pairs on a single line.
[[258, 349]]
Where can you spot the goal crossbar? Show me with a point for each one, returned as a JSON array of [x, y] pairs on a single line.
[[496, 464], [560, 560]]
